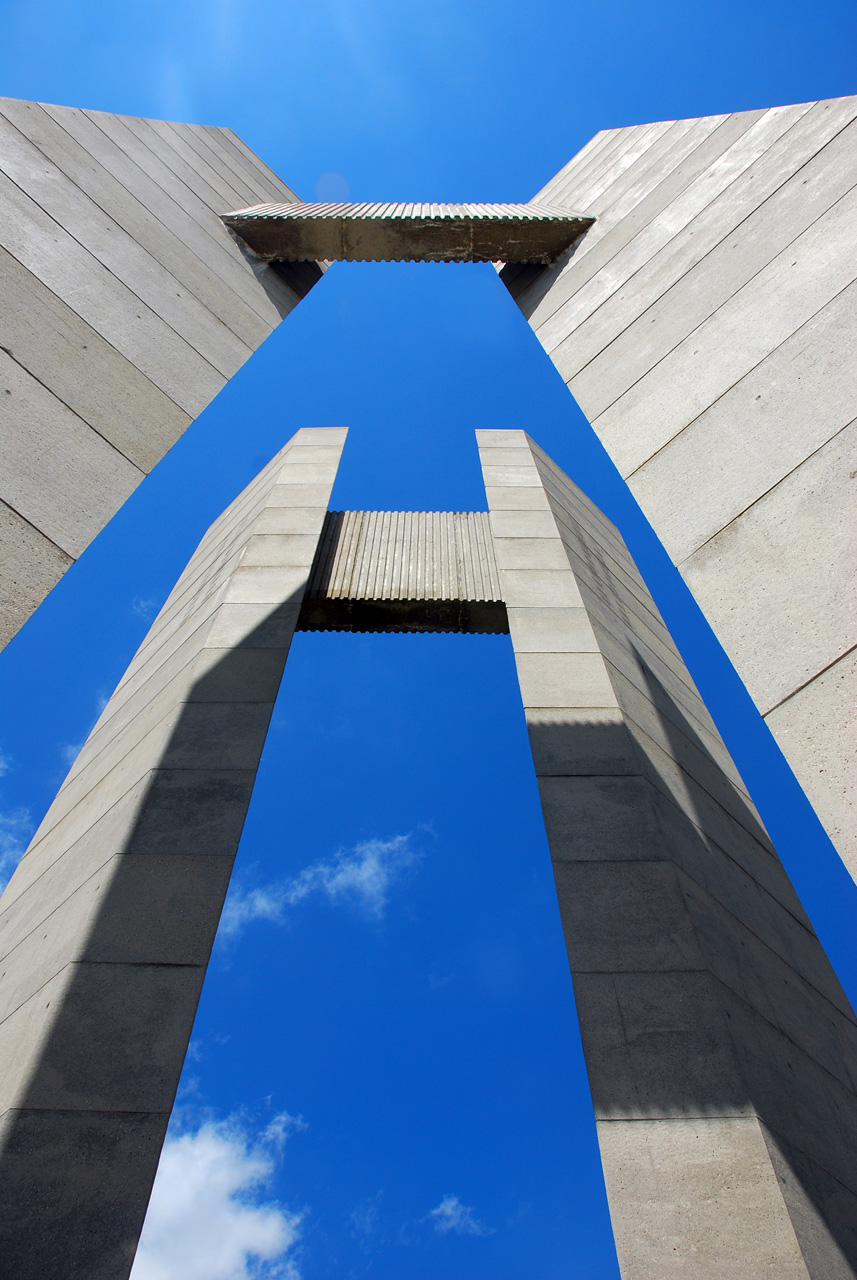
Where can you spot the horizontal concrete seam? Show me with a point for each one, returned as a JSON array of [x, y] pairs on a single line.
[[662, 212], [40, 924], [698, 724], [157, 768], [552, 706], [804, 1051], [224, 161], [621, 973], [84, 1111], [70, 780], [60, 400], [727, 232], [85, 962], [109, 214], [773, 351], [846, 653], [726, 301], [166, 148], [792, 1143], [249, 301], [696, 781], [78, 963], [123, 285], [159, 158], [672, 1118], [764, 494], [6, 503]]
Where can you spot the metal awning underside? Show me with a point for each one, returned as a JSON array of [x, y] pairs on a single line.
[[407, 232]]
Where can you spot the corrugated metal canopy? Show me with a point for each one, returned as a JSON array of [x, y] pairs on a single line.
[[407, 232], [405, 571]]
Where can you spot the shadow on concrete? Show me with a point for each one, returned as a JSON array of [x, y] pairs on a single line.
[[80, 1153], [701, 988]]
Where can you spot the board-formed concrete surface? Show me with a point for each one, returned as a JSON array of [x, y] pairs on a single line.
[[407, 232], [719, 1044], [720, 1047], [107, 925], [705, 324], [126, 306]]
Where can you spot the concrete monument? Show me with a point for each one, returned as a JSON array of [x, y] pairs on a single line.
[[692, 281], [719, 1044]]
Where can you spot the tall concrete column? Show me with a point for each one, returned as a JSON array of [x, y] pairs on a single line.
[[107, 925], [720, 1047]]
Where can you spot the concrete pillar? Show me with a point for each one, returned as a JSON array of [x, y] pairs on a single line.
[[720, 1047], [107, 925]]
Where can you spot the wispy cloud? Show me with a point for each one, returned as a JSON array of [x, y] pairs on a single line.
[[362, 875], [16, 828], [71, 750], [365, 1223], [208, 1218], [452, 1215], [144, 608]]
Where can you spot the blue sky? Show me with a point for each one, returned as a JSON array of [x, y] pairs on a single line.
[[385, 1077]]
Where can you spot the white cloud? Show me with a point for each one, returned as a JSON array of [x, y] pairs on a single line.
[[70, 752], [16, 828], [144, 608], [452, 1215], [5, 764], [362, 875], [207, 1217]]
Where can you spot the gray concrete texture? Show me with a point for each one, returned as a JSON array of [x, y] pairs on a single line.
[[107, 925], [407, 232], [405, 571], [720, 1047], [127, 305], [705, 325]]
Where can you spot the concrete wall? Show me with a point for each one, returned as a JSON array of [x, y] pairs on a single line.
[[720, 1047], [107, 925], [705, 325], [126, 306]]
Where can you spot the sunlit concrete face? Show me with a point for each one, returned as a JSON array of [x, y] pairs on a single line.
[[702, 323], [126, 306], [107, 925], [719, 1044], [705, 324]]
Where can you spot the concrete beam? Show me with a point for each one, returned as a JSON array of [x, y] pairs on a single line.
[[407, 232]]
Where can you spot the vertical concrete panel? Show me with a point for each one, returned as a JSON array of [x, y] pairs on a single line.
[[107, 925], [713, 288], [709, 1014], [127, 305]]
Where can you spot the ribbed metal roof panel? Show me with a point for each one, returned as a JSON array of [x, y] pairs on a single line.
[[405, 555], [410, 232]]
